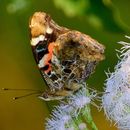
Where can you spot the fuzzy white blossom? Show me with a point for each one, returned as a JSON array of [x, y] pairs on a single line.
[[63, 115], [116, 99], [78, 101], [58, 120]]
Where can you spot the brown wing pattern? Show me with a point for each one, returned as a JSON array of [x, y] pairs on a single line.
[[65, 58]]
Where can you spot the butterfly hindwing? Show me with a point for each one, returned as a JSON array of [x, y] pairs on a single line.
[[65, 57]]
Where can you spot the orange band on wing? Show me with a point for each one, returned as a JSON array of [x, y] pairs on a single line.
[[49, 56]]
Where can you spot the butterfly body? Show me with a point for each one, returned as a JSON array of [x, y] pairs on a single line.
[[65, 58]]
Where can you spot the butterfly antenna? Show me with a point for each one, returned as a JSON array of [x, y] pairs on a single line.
[[14, 89], [26, 95]]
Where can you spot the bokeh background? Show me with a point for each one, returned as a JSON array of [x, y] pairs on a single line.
[[108, 21]]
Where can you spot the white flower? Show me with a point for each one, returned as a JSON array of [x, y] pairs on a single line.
[[77, 102], [116, 99], [80, 99], [63, 115], [124, 123], [58, 121]]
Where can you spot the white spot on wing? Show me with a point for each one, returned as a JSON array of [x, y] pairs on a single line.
[[42, 61], [36, 40], [49, 30]]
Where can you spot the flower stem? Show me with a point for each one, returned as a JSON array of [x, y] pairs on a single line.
[[79, 121], [88, 118], [74, 123], [87, 115]]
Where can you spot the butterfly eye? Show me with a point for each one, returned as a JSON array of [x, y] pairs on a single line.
[[45, 95]]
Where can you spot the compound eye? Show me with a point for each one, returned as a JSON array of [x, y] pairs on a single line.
[[45, 95]]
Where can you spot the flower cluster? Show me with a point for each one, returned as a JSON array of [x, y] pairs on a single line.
[[66, 116], [116, 99]]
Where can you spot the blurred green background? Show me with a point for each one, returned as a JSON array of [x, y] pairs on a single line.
[[108, 21]]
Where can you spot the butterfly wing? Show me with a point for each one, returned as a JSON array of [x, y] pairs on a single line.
[[44, 32], [64, 57], [78, 55]]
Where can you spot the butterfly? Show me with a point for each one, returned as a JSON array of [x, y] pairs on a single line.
[[66, 58]]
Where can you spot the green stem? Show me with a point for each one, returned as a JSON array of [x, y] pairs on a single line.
[[74, 123], [79, 121], [87, 116]]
